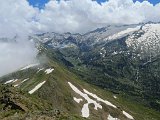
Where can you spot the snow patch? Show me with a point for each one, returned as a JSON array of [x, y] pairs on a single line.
[[115, 53], [29, 66], [36, 87], [85, 109], [40, 69], [128, 115], [115, 97], [99, 99], [11, 81], [48, 71], [112, 118], [123, 33], [77, 100], [16, 85], [21, 82], [24, 80]]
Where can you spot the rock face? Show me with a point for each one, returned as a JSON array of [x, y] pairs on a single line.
[[11, 99]]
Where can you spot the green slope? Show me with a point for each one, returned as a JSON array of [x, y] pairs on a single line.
[[57, 95]]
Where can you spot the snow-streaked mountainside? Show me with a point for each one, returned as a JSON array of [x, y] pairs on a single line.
[[52, 82], [141, 37], [120, 58], [111, 32], [111, 73], [146, 40], [56, 40]]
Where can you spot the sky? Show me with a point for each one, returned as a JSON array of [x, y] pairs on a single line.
[[151, 1], [21, 18], [38, 3]]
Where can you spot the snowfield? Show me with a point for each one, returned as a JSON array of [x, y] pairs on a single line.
[[24, 80], [29, 66], [40, 69], [11, 81], [115, 97], [112, 118], [99, 99], [123, 33], [48, 71], [77, 100], [16, 85], [36, 87], [128, 115], [85, 109], [21, 82]]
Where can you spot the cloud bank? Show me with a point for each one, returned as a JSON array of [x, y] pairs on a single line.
[[18, 18], [15, 55], [84, 15]]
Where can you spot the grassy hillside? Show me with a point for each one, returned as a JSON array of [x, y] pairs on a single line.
[[54, 100]]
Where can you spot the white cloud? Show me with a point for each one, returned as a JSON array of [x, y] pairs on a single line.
[[17, 17], [15, 55], [84, 15]]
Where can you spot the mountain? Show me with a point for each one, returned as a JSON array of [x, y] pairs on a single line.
[[99, 75], [122, 59], [53, 88]]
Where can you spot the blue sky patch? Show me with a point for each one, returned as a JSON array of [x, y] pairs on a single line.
[[41, 3]]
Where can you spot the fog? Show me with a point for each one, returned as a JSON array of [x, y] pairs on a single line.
[[14, 55], [16, 24]]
